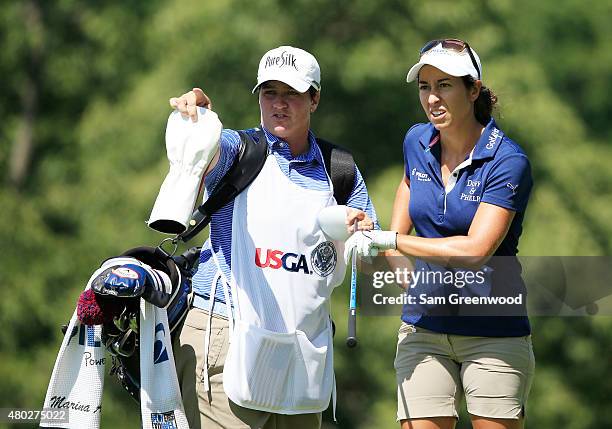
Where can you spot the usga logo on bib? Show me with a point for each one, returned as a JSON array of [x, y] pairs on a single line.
[[322, 260]]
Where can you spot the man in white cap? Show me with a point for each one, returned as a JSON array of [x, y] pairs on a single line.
[[267, 271]]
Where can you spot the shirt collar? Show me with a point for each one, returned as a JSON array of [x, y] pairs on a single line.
[[489, 141], [486, 146], [279, 145], [428, 138]]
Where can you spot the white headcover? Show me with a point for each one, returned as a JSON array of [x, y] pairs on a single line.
[[332, 221], [190, 147]]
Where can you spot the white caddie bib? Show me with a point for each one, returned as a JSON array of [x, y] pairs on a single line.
[[283, 272]]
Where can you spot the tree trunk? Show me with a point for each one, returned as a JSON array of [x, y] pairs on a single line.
[[23, 145]]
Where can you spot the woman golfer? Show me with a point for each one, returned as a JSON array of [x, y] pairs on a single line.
[[465, 191]]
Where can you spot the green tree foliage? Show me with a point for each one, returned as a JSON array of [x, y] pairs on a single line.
[[84, 101]]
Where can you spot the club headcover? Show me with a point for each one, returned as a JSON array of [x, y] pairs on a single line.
[[95, 309], [125, 281], [332, 221]]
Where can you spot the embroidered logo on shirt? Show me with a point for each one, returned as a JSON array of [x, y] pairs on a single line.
[[472, 185], [513, 187], [421, 177], [493, 138]]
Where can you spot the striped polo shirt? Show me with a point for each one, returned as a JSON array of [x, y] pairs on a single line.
[[306, 170]]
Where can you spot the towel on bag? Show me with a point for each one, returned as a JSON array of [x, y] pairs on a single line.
[[77, 379], [161, 406]]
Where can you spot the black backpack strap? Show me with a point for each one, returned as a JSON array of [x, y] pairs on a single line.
[[340, 166], [247, 165]]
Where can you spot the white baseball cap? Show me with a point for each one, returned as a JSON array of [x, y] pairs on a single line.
[[450, 57], [293, 66]]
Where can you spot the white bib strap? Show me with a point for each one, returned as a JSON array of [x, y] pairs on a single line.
[[230, 311], [334, 399], [208, 327], [331, 329]]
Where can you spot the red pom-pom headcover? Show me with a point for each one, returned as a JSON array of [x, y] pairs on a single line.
[[94, 309]]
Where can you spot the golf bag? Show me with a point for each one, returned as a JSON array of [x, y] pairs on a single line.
[[120, 332]]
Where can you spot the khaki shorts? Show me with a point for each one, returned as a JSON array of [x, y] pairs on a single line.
[[434, 371], [213, 409]]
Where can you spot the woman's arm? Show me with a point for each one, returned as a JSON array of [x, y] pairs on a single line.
[[491, 222], [488, 229], [400, 218], [402, 224]]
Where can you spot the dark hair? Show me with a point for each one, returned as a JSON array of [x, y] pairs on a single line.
[[484, 104]]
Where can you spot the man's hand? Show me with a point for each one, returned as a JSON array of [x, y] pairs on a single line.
[[369, 243], [365, 223], [187, 103], [337, 221]]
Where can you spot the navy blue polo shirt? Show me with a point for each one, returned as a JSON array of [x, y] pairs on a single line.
[[497, 172]]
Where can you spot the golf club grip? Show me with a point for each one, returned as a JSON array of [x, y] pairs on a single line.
[[351, 339]]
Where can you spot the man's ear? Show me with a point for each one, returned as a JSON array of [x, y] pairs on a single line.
[[314, 101]]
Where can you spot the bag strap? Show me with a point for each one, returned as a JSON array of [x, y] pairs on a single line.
[[340, 166], [247, 165]]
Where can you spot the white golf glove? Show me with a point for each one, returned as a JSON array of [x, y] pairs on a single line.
[[190, 147], [369, 243]]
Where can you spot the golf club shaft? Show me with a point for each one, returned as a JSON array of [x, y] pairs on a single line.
[[351, 339]]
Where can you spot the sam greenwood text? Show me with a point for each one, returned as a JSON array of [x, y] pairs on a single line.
[[380, 299]]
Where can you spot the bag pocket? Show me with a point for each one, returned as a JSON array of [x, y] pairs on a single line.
[[313, 371], [258, 367], [278, 372]]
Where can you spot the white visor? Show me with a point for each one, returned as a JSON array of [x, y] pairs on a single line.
[[449, 61]]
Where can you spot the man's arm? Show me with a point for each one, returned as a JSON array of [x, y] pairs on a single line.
[[361, 204]]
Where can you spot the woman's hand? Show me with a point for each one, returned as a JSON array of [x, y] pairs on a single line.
[[369, 243]]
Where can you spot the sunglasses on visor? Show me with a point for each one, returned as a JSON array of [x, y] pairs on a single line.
[[452, 45]]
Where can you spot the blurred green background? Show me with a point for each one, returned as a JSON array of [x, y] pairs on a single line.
[[83, 101]]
